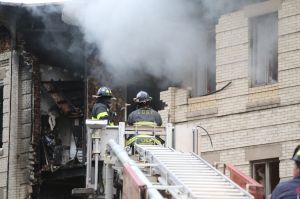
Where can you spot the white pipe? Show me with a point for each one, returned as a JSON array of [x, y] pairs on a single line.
[[96, 172], [89, 160], [96, 148], [109, 178], [123, 157]]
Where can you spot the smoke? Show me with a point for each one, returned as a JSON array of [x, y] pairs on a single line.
[[58, 37], [166, 39], [162, 38]]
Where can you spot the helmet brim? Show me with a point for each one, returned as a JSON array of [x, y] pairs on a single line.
[[136, 100], [97, 96]]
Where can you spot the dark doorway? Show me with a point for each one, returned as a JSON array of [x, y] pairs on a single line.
[[266, 172], [60, 188]]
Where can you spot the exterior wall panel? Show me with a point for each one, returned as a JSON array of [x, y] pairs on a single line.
[[248, 119]]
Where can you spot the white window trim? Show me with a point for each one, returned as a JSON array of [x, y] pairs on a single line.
[[250, 64]]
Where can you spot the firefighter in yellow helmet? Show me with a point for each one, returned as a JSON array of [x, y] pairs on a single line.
[[144, 116], [101, 109]]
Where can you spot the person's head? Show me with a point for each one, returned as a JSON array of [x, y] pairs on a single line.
[[104, 95], [297, 169], [142, 99], [296, 158]]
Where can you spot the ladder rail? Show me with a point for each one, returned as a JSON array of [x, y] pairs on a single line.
[[224, 176], [176, 168], [169, 175], [124, 159]]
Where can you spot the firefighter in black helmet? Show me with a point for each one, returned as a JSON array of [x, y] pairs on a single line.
[[144, 116], [101, 109], [290, 189]]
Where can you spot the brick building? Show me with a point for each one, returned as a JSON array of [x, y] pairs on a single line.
[[254, 120], [249, 103], [32, 79], [46, 83]]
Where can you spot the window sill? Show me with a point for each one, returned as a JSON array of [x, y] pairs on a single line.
[[264, 103], [263, 87], [200, 99], [257, 86], [1, 151], [203, 112], [202, 106]]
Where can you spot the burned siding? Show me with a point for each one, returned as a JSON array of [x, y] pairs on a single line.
[[5, 39], [21, 157]]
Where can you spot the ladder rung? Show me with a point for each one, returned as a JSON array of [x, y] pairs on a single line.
[[197, 176]]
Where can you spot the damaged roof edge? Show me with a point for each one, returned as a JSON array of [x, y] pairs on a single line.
[[24, 3]]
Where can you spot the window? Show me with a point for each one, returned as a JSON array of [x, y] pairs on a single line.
[[266, 172], [204, 76], [1, 115], [264, 49]]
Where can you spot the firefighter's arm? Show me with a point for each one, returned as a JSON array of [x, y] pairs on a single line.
[[158, 120], [130, 121], [101, 114]]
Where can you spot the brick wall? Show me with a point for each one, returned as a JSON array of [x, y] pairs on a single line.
[[25, 129], [16, 128], [5, 57], [239, 117]]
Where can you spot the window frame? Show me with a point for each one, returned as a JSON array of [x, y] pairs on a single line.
[[267, 185], [270, 76], [206, 67]]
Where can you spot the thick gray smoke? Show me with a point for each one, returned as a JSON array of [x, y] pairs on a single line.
[[168, 39], [159, 37]]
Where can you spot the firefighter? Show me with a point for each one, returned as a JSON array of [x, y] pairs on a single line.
[[101, 109], [291, 188], [144, 116]]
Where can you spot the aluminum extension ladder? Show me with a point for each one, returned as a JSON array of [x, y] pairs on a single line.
[[188, 175]]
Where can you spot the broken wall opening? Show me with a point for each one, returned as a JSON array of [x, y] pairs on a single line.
[[5, 39], [62, 143], [58, 103]]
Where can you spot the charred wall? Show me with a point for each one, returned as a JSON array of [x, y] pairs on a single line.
[[33, 76]]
